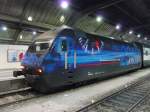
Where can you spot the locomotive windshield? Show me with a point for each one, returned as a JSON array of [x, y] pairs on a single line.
[[40, 46]]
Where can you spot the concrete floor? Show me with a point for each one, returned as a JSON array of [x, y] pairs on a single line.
[[74, 99]]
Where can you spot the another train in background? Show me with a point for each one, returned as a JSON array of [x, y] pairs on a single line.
[[146, 55], [67, 56]]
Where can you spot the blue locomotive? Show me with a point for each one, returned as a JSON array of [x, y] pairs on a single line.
[[66, 56]]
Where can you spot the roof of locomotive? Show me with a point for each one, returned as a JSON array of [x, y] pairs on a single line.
[[51, 34], [59, 30]]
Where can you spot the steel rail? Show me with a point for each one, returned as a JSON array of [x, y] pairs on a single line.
[[18, 96]]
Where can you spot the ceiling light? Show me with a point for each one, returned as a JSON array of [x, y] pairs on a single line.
[[4, 28], [130, 32], [64, 4], [62, 19], [138, 35], [145, 38], [30, 18], [65, 95], [34, 33], [112, 37], [21, 36], [99, 19], [126, 40], [118, 27], [93, 101]]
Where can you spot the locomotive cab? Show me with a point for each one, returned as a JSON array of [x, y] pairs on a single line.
[[31, 63], [50, 47], [34, 56], [49, 56]]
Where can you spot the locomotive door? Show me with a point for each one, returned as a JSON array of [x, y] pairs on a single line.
[[70, 55]]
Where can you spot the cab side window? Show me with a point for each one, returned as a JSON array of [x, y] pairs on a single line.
[[31, 49], [64, 45]]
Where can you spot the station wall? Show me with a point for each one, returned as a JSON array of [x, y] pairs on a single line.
[[9, 54]]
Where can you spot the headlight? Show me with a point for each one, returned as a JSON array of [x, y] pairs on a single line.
[[39, 71]]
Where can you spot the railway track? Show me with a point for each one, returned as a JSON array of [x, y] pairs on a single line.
[[124, 100], [16, 96]]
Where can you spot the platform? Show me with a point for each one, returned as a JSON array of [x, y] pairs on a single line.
[[6, 74], [74, 99], [8, 82]]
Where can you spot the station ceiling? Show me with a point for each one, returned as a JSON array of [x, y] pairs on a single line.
[[47, 14]]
